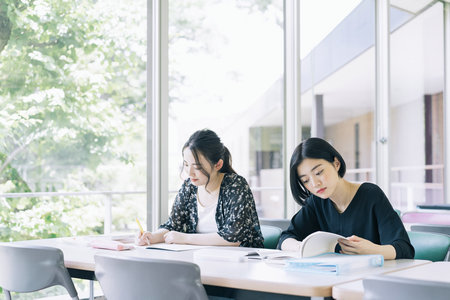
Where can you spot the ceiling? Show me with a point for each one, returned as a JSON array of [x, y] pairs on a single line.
[[416, 64], [412, 6]]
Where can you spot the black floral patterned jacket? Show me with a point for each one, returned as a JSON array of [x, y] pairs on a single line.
[[236, 217]]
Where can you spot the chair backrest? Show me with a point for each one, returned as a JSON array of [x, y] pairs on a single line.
[[123, 278], [429, 246], [280, 223], [26, 268], [426, 218], [434, 206], [271, 236], [442, 229], [385, 287]]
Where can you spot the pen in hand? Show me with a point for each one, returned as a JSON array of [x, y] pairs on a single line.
[[140, 226], [142, 231]]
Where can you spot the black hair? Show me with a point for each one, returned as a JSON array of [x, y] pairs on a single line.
[[315, 148], [207, 143]]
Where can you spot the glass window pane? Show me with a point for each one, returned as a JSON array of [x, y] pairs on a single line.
[[338, 79], [72, 116], [225, 74], [417, 130]]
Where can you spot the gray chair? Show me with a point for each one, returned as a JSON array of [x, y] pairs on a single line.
[[443, 229], [123, 278], [385, 287], [26, 268]]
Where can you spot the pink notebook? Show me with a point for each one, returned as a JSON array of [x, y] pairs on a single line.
[[111, 245]]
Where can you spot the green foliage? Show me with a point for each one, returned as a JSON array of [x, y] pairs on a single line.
[[30, 218], [72, 100], [72, 106], [70, 87]]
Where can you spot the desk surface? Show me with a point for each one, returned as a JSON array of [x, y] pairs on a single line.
[[437, 271], [248, 275]]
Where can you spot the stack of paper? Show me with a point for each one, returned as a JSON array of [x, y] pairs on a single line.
[[335, 263]]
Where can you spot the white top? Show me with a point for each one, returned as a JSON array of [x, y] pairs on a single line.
[[206, 218]]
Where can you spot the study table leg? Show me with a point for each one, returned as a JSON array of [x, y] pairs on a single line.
[[88, 275], [223, 293], [91, 289]]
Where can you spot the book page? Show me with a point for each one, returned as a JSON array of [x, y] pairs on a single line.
[[232, 255], [319, 242], [279, 256]]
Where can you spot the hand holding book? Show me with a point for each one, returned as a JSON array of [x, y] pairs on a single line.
[[357, 245], [317, 254]]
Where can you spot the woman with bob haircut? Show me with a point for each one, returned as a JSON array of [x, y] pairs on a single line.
[[359, 211]]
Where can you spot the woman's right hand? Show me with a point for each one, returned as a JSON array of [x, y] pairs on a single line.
[[144, 238]]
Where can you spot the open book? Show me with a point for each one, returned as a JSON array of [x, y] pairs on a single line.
[[317, 255], [319, 242], [316, 243]]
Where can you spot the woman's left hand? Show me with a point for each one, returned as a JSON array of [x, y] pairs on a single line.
[[357, 245], [175, 237]]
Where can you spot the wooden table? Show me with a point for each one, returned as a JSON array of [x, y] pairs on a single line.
[[257, 276], [437, 271]]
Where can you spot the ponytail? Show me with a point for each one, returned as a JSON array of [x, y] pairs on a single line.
[[226, 157]]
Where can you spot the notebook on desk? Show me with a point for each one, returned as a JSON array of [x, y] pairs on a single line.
[[118, 242], [110, 245]]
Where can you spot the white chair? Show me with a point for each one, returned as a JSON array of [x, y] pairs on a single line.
[[123, 278], [27, 269], [385, 287]]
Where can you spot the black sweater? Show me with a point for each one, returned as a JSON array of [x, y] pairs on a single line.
[[369, 215]]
